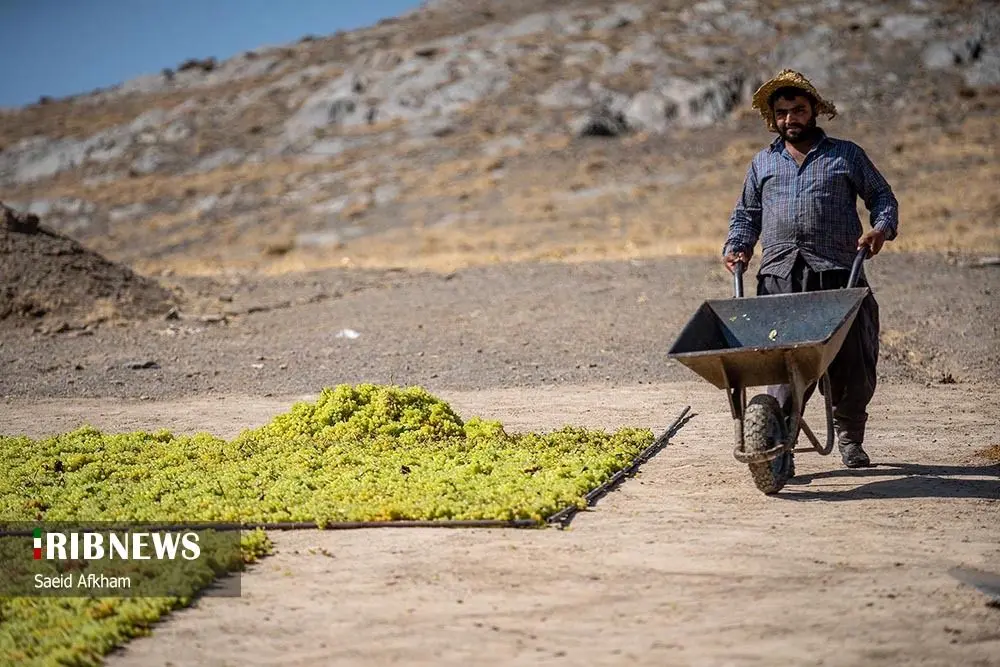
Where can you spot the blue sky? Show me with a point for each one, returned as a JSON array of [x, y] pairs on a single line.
[[65, 47]]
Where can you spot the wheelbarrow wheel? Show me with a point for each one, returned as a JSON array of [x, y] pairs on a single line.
[[762, 430]]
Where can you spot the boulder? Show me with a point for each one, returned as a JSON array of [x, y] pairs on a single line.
[[650, 111], [686, 103], [606, 117]]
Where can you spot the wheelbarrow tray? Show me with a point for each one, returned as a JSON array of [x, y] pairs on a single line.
[[754, 341]]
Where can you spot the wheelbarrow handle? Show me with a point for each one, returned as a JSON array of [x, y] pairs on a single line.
[[863, 254]]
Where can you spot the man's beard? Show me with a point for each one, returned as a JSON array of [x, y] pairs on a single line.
[[799, 133]]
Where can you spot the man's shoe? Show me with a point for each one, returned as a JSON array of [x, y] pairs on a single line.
[[854, 456]]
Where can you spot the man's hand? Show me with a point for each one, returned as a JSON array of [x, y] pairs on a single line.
[[873, 239], [731, 258]]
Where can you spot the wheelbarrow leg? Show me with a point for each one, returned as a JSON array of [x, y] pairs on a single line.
[[737, 406], [830, 430], [796, 393]]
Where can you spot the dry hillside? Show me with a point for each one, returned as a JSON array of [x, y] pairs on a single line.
[[467, 133]]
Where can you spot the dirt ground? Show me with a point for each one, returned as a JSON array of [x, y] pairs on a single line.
[[685, 564], [479, 328]]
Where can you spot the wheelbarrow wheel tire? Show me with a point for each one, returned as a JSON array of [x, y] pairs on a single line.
[[762, 430]]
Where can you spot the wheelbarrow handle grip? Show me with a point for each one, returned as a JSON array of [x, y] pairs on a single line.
[[863, 254], [738, 279]]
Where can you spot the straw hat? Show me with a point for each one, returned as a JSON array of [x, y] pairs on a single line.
[[788, 77]]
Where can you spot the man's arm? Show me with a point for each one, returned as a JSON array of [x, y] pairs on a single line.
[[744, 223], [880, 201]]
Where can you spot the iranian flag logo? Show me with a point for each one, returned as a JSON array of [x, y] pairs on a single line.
[[38, 543]]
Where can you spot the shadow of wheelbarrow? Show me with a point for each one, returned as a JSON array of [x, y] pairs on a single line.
[[902, 480]]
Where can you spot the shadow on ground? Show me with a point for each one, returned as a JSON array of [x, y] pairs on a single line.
[[901, 480]]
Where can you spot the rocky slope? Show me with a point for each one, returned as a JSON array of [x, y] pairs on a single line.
[[475, 132]]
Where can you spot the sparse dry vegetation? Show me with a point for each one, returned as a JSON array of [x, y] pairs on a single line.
[[504, 179]]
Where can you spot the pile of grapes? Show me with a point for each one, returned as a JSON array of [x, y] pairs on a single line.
[[358, 453]]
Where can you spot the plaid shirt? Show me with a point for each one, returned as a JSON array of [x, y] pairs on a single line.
[[809, 210]]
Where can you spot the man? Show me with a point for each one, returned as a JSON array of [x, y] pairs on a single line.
[[800, 200]]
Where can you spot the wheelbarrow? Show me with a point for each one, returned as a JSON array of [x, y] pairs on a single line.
[[789, 339]]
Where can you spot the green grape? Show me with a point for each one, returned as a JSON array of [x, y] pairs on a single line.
[[357, 453]]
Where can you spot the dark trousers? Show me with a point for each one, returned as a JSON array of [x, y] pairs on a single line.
[[852, 371]]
